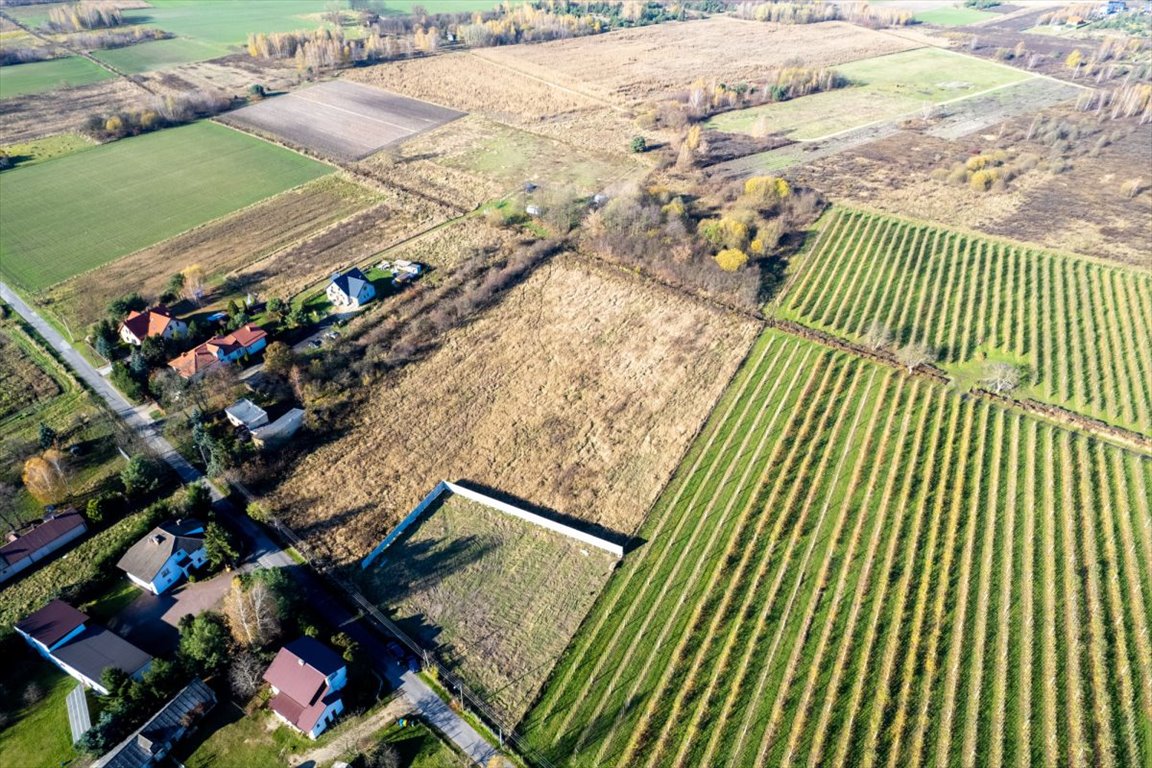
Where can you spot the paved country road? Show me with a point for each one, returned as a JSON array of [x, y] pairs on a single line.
[[266, 552]]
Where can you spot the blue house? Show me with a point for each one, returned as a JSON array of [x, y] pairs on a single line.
[[166, 555]]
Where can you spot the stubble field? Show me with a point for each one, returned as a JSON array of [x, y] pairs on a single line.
[[578, 392], [495, 597], [854, 567]]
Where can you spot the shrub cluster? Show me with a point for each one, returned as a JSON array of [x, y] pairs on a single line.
[[81, 16], [158, 112]]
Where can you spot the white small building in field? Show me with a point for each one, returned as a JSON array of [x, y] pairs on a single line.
[[245, 413]]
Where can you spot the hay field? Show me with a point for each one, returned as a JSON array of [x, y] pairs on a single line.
[[497, 598], [579, 391], [219, 248], [114, 199], [635, 65]]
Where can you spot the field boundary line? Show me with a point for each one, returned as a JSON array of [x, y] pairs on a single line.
[[75, 52], [713, 537], [740, 405], [599, 99]]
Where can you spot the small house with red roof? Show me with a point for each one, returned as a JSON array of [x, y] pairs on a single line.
[[306, 678], [245, 340], [157, 321]]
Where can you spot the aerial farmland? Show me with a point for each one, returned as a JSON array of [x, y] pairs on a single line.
[[566, 383]]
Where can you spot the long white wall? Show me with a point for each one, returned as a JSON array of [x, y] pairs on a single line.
[[500, 506]]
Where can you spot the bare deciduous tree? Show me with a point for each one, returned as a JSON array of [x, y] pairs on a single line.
[[913, 355], [253, 613], [877, 336], [246, 675], [1001, 377]]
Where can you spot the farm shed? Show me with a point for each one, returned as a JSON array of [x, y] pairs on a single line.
[[153, 740], [279, 430], [24, 549], [245, 413]]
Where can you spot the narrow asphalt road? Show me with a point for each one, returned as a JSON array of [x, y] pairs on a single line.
[[266, 552]]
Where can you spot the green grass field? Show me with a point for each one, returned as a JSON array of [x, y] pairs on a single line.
[[953, 17], [229, 22], [884, 87], [36, 735], [41, 76], [1081, 327], [160, 54], [856, 567], [117, 198]]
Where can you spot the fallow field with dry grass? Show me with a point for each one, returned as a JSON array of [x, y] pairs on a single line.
[[634, 65], [578, 392]]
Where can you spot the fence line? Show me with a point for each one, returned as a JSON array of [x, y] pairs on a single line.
[[500, 506], [494, 721]]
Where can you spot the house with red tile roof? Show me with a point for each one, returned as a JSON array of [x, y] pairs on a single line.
[[306, 678], [245, 340], [157, 321]]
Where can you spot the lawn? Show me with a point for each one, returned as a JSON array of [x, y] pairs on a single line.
[[119, 595], [228, 737], [47, 148], [883, 87], [120, 197], [37, 734], [497, 597], [41, 76], [953, 17], [418, 746], [160, 54]]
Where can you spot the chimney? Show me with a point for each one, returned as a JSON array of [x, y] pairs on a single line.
[[12, 536], [157, 539]]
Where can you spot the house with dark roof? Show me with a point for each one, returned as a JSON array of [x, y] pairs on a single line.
[[152, 742], [24, 548], [350, 289], [64, 636], [167, 554], [157, 321], [306, 677], [245, 340]]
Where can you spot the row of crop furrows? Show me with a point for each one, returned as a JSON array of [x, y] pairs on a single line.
[[1081, 327], [857, 568]]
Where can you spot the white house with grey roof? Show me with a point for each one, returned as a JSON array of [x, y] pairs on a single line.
[[167, 554], [350, 289]]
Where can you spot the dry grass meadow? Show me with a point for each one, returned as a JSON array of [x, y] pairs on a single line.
[[497, 598], [578, 393], [635, 65], [1080, 208]]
